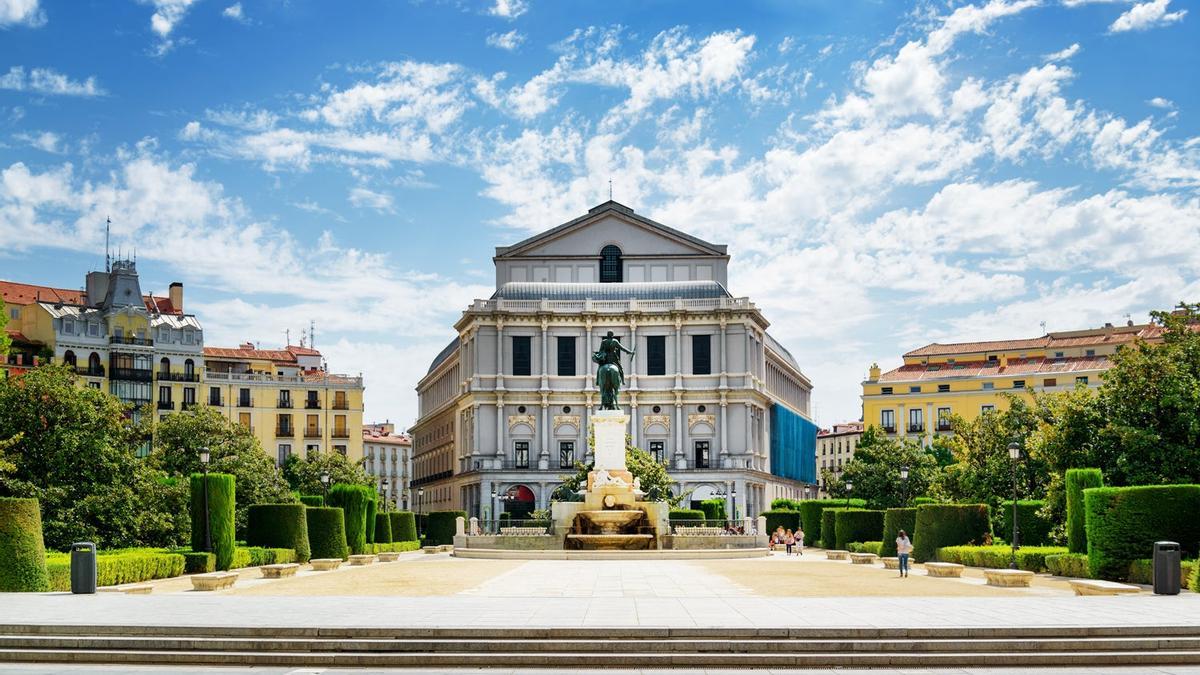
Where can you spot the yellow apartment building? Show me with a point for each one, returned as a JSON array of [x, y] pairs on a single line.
[[970, 378]]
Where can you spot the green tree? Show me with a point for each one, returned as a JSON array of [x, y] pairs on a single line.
[[303, 474], [5, 341], [652, 476], [875, 470], [233, 449]]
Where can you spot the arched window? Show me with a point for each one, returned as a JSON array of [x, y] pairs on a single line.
[[164, 366], [69, 358], [610, 265], [189, 368], [94, 363]]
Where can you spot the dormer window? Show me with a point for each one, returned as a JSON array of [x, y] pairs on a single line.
[[610, 265]]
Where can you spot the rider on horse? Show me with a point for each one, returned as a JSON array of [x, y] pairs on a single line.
[[609, 355]]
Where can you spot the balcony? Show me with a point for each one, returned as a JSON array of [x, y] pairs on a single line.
[[284, 432], [889, 430], [215, 402], [341, 405], [916, 428], [166, 405], [945, 426], [664, 306], [340, 433], [312, 405], [167, 376], [332, 379], [133, 374], [130, 340], [312, 432], [284, 403], [136, 402], [98, 371]]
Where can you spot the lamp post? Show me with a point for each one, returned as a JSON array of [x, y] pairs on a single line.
[[384, 488], [733, 494], [204, 457], [325, 483], [1014, 454], [420, 495], [849, 489], [904, 482]]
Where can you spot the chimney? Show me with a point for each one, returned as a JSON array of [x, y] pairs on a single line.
[[874, 374], [176, 294]]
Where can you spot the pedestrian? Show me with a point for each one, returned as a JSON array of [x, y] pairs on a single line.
[[789, 540], [799, 541], [904, 548]]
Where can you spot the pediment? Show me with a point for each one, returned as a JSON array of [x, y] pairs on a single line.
[[635, 235]]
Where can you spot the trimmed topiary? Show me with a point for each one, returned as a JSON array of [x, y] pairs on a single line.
[[788, 520], [917, 501], [895, 520], [940, 525], [327, 532], [383, 528], [1124, 523], [312, 500], [354, 500], [1069, 565], [22, 551], [857, 525], [686, 517], [785, 504], [221, 505], [404, 526], [1029, 558], [279, 526], [829, 527], [440, 527], [714, 511], [372, 511], [1078, 480], [199, 562], [1034, 530]]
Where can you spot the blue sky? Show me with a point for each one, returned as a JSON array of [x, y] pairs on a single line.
[[886, 174]]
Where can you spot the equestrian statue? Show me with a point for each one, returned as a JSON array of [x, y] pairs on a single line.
[[610, 376]]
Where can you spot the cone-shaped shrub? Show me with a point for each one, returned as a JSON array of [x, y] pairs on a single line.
[[383, 528], [326, 532], [440, 527], [221, 505], [372, 510], [354, 500], [279, 526], [22, 552], [1077, 481], [895, 520], [404, 526], [941, 525]]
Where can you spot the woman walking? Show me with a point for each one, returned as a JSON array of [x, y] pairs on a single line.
[[789, 540], [904, 548], [799, 541]]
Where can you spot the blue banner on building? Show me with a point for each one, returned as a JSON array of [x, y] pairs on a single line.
[[793, 445]]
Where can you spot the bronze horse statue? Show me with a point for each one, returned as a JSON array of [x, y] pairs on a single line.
[[610, 376]]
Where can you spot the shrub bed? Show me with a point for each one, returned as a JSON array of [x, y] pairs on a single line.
[[714, 511], [895, 520], [327, 532], [788, 520], [1194, 578], [941, 525], [1033, 528], [1030, 558], [312, 500], [199, 562], [829, 527], [22, 551], [221, 505], [383, 528], [440, 527], [810, 515], [857, 525], [260, 555], [1124, 523], [404, 526], [397, 547], [1078, 480], [1068, 565], [127, 567], [1187, 568], [864, 547], [279, 526], [1142, 571], [354, 500]]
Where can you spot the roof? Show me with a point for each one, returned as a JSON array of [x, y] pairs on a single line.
[[392, 439], [18, 336], [917, 372], [242, 353], [598, 211], [15, 293], [651, 290], [303, 351], [1096, 336], [841, 429], [443, 355]]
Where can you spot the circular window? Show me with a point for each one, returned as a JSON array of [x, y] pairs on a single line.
[[521, 409], [657, 409], [566, 409], [701, 408]]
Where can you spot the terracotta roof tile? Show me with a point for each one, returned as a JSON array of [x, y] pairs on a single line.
[[15, 293], [1096, 336], [1036, 366], [276, 355]]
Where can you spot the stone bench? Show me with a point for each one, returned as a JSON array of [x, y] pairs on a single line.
[[445, 548], [1098, 587], [429, 549], [698, 531], [890, 563], [389, 556], [279, 570], [360, 559], [1007, 577], [941, 569], [523, 532], [325, 564], [213, 581], [130, 589], [837, 555], [863, 558]]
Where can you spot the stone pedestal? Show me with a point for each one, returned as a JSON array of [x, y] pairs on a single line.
[[610, 427]]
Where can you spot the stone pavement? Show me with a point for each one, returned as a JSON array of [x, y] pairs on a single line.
[[609, 579], [64, 669]]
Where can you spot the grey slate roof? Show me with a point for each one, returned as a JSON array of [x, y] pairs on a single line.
[[653, 290], [612, 207], [443, 355]]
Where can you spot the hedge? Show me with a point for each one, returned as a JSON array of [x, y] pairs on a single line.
[[383, 528], [895, 520], [279, 526], [221, 504], [810, 514], [1034, 530], [404, 526], [857, 525], [1187, 568], [785, 504], [1068, 565], [1030, 558], [354, 501], [397, 547], [265, 555], [128, 567], [1194, 578], [1078, 480], [22, 551], [312, 500], [199, 562], [372, 511], [687, 517], [788, 520], [714, 511], [1142, 571], [326, 532], [440, 527], [829, 527], [865, 547], [941, 525], [1124, 523], [917, 501]]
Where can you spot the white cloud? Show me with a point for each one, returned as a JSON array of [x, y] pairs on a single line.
[[48, 81], [167, 15], [234, 12], [1160, 102], [507, 41], [1064, 54], [362, 197], [21, 13], [46, 141], [1146, 15], [508, 9]]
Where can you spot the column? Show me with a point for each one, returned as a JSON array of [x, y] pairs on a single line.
[[476, 433], [633, 359], [499, 355], [901, 421], [545, 356], [678, 353], [588, 383], [724, 435], [499, 428], [679, 422], [544, 456], [585, 449], [724, 366], [749, 429], [633, 418]]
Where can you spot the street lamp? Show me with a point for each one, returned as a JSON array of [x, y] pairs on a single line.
[[904, 482], [1014, 454], [204, 457], [325, 482], [384, 487], [420, 495], [849, 489]]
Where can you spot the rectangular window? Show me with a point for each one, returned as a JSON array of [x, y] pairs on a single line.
[[14, 313], [1082, 379], [189, 396], [656, 450], [285, 398], [701, 454], [1018, 384], [987, 408], [656, 355], [566, 454], [914, 389], [312, 402], [68, 326], [1090, 352], [283, 425], [244, 419], [311, 451], [887, 420], [885, 390], [916, 419], [989, 385], [1058, 355], [340, 449], [521, 454], [943, 388], [521, 359], [285, 451], [1050, 382], [701, 354], [566, 356], [339, 401], [943, 419], [164, 393], [94, 385], [243, 397], [214, 396]]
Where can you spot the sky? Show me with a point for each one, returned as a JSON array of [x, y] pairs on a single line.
[[885, 174]]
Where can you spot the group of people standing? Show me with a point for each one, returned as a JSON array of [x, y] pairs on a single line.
[[793, 541]]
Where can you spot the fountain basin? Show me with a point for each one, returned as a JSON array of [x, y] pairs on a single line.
[[610, 542], [612, 521]]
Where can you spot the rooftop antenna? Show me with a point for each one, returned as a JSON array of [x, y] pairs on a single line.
[[287, 333], [107, 251], [312, 334], [1043, 325], [610, 189]]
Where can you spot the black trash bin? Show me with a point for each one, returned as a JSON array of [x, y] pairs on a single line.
[[83, 567], [1166, 568]]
